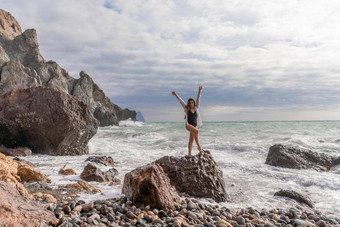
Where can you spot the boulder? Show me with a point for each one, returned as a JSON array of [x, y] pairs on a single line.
[[81, 186], [9, 174], [22, 66], [67, 170], [150, 185], [294, 158], [296, 196], [93, 173], [47, 121], [17, 210], [104, 160], [198, 176], [15, 152], [28, 173]]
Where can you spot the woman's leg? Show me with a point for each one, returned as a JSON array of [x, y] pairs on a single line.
[[194, 130], [191, 140]]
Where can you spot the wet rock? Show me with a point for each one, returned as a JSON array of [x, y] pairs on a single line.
[[48, 121], [82, 186], [28, 173], [93, 173], [104, 160], [17, 210], [296, 196], [67, 170], [15, 152], [294, 158], [150, 185], [198, 176]]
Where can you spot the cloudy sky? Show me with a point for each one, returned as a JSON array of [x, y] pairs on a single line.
[[258, 59]]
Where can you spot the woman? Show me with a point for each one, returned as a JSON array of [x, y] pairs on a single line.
[[192, 118]]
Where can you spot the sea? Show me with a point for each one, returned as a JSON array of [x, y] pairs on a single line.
[[239, 148]]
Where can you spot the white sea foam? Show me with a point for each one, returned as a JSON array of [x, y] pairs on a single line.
[[239, 148]]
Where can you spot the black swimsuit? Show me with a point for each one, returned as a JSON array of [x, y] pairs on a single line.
[[192, 118]]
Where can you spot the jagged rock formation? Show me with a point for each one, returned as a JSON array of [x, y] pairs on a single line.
[[47, 121], [150, 185], [22, 66], [294, 158], [198, 176]]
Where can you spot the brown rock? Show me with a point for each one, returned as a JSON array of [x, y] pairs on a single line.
[[66, 170], [294, 158], [296, 196], [8, 174], [45, 197], [15, 152], [150, 185], [9, 26], [198, 176], [47, 121], [28, 173], [93, 173], [81, 186], [17, 210]]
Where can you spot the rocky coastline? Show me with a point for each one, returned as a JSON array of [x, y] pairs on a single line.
[[44, 110]]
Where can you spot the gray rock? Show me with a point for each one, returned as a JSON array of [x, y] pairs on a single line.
[[93, 173], [198, 176], [290, 157], [296, 196], [240, 220], [104, 160]]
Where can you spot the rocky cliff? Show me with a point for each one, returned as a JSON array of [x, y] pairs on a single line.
[[22, 66]]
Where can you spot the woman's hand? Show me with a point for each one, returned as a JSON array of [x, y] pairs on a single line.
[[201, 87], [174, 93]]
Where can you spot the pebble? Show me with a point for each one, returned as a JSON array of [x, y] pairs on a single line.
[[191, 213], [240, 220]]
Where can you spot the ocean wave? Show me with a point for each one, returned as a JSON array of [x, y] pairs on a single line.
[[131, 123]]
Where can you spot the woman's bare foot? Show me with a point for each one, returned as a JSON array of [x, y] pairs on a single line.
[[200, 149]]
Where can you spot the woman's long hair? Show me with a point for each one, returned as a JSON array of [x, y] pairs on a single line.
[[187, 107]]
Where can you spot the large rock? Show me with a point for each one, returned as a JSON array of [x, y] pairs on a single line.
[[47, 121], [22, 66], [296, 196], [294, 158], [17, 210], [198, 176], [150, 185], [93, 173], [9, 174], [30, 174]]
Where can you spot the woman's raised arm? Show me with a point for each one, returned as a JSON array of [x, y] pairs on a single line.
[[179, 99], [199, 96]]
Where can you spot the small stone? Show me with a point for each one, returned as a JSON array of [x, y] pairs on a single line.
[[276, 217], [131, 215], [110, 217], [147, 217], [240, 220], [230, 216], [77, 208], [299, 222], [191, 205], [66, 209], [321, 223], [133, 222], [183, 211], [157, 221]]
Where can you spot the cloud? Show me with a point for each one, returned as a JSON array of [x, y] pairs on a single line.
[[249, 54]]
